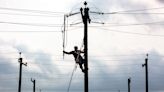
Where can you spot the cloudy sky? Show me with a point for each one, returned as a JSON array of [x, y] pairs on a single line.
[[116, 49]]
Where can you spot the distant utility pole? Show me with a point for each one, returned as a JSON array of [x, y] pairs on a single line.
[[129, 81], [33, 81], [86, 19], [146, 71], [20, 71]]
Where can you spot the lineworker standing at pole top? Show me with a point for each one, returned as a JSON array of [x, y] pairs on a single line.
[[78, 58]]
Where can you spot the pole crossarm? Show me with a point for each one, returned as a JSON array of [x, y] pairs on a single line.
[[71, 14], [100, 13], [97, 22], [75, 23]]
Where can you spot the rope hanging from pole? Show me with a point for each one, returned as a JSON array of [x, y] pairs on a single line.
[[74, 69]]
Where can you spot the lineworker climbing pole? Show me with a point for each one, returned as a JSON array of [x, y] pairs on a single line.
[[78, 58]]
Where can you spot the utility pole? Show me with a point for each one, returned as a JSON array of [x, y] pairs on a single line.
[[146, 71], [129, 81], [33, 81], [86, 19], [20, 59]]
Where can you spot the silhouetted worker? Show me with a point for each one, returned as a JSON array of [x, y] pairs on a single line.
[[78, 58]]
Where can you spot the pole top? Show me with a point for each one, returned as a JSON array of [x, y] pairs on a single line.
[[147, 55], [85, 3], [129, 80], [20, 54], [32, 80]]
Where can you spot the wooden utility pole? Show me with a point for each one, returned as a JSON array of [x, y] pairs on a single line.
[[146, 72], [129, 81], [86, 19], [20, 72], [33, 81]]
